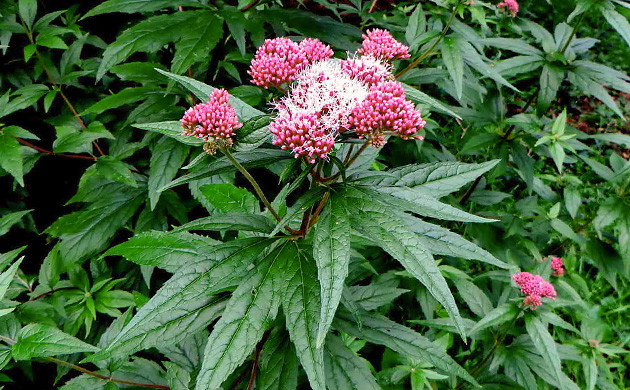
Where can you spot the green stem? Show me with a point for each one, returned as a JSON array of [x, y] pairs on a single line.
[[252, 181], [430, 49], [577, 24]]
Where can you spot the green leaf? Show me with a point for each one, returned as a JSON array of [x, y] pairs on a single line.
[[572, 200], [171, 129], [254, 158], [230, 199], [8, 220], [278, 363], [454, 62], [422, 98], [37, 340], [416, 27], [86, 232], [168, 156], [301, 305], [7, 277], [231, 221], [255, 132], [563, 228], [331, 249], [545, 345], [550, 79], [254, 304], [115, 170], [617, 138], [497, 316], [178, 378], [389, 232], [418, 201], [197, 44], [167, 250], [8, 257], [28, 10], [300, 206], [557, 154], [11, 157], [440, 178], [345, 369], [594, 88], [476, 61], [516, 45], [133, 6], [124, 97], [617, 21], [203, 91], [145, 37], [186, 300], [378, 329], [51, 41]]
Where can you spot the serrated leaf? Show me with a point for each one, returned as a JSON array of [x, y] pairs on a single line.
[[545, 345], [203, 91], [378, 329], [27, 10], [389, 232], [8, 257], [301, 305], [187, 353], [497, 316], [11, 157], [6, 278], [186, 300], [617, 21], [203, 35], [230, 199], [300, 206], [133, 6], [177, 377], [278, 363], [454, 63], [254, 304], [550, 79], [345, 369], [440, 178], [9, 220], [420, 97], [168, 156], [231, 221], [115, 170], [331, 249], [38, 340], [171, 129], [167, 250]]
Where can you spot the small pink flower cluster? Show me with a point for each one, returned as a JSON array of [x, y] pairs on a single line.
[[380, 44], [557, 265], [534, 287], [367, 69], [215, 119], [509, 5], [279, 60], [386, 109]]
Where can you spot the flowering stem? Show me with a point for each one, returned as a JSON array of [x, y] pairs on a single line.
[[252, 181], [435, 43]]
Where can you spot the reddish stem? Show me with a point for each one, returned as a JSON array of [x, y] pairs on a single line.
[[42, 150]]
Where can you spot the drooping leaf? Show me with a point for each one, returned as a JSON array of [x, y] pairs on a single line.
[[37, 340], [331, 249], [254, 304], [301, 305]]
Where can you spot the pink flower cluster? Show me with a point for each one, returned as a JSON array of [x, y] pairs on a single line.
[[380, 44], [279, 60], [534, 287], [214, 119], [368, 69], [386, 109], [557, 265], [509, 5]]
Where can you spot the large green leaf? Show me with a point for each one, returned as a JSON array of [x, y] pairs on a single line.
[[497, 316], [6, 278], [301, 305], [203, 91], [550, 79], [440, 178], [254, 304], [167, 250], [389, 232], [171, 129], [345, 369], [229, 198], [301, 205], [168, 156], [9, 220], [545, 345], [454, 62], [617, 21], [378, 329], [37, 340], [186, 300], [278, 363], [197, 44], [331, 249], [422, 98], [11, 157], [133, 6], [231, 221]]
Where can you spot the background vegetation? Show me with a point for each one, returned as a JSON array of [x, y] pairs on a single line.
[[545, 94]]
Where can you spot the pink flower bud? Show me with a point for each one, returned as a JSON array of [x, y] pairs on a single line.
[[215, 119], [380, 44]]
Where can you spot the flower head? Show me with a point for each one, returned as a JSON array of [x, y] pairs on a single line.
[[315, 50], [386, 109], [277, 62], [557, 265], [381, 44], [215, 119], [368, 69], [534, 287], [510, 6], [316, 109]]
